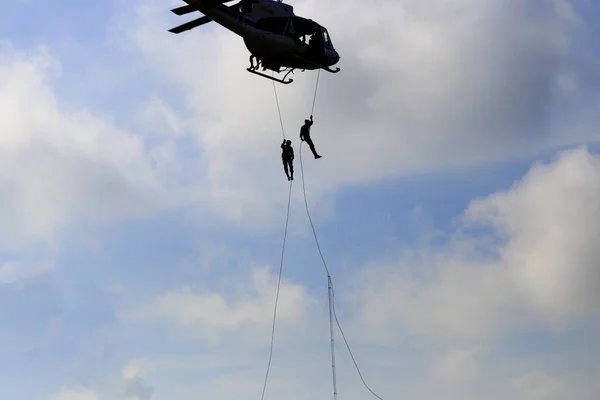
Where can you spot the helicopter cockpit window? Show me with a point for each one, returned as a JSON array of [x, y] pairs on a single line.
[[303, 26], [326, 39]]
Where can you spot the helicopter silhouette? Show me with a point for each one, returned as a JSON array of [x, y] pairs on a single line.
[[277, 39]]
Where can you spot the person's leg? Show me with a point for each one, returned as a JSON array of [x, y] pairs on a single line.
[[312, 147], [285, 168]]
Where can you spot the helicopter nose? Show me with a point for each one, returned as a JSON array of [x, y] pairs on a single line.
[[333, 57]]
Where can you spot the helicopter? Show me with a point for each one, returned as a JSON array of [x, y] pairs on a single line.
[[276, 38]]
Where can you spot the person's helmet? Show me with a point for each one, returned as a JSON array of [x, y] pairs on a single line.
[[289, 142], [306, 121]]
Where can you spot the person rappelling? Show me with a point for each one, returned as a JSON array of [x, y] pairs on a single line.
[[287, 156], [305, 135]]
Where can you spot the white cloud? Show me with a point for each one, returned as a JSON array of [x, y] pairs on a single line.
[[538, 263], [552, 248], [156, 116], [460, 365], [565, 10], [463, 295], [8, 274], [76, 394], [129, 386], [215, 314], [133, 370], [12, 272], [59, 165], [539, 385]]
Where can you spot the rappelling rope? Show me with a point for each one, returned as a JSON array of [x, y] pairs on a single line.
[[329, 277], [309, 217], [281, 261], [277, 296], [284, 239], [279, 110], [348, 346], [330, 281], [315, 95]]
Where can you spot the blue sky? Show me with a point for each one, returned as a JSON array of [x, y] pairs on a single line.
[[143, 203]]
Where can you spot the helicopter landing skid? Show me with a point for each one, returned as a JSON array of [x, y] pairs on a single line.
[[320, 66], [333, 71], [253, 69]]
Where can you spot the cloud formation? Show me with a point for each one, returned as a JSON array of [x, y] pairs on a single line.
[[130, 386], [437, 313], [61, 165], [214, 314], [535, 262]]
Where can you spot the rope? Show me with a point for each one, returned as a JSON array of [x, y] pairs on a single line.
[[308, 213], [315, 95], [330, 298], [277, 296], [348, 346], [278, 109], [281, 261], [329, 278], [330, 282]]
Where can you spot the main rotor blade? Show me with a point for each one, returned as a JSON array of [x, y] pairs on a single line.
[[191, 25], [186, 9], [183, 10]]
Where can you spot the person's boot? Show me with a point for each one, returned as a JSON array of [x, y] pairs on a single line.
[[317, 156]]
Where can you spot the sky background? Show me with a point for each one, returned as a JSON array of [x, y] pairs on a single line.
[[457, 203]]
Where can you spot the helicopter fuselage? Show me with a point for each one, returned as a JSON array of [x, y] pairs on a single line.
[[267, 31], [276, 49]]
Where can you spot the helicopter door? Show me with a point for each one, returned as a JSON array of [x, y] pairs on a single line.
[[316, 41], [289, 28]]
